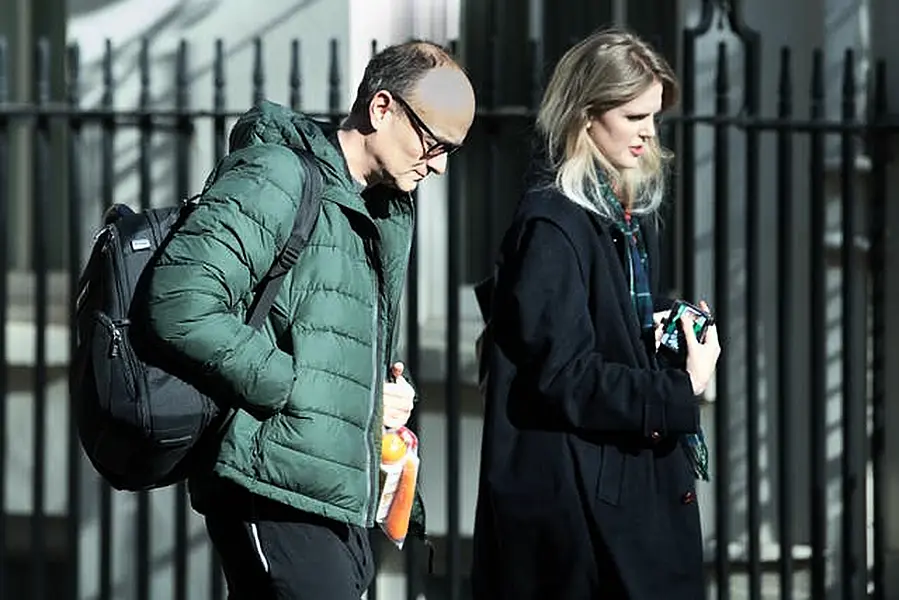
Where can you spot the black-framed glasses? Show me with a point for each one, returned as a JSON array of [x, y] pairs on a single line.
[[437, 146]]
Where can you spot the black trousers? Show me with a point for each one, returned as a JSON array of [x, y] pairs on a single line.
[[273, 552]]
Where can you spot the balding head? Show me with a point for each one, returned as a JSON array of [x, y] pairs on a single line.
[[413, 107], [397, 69], [444, 99]]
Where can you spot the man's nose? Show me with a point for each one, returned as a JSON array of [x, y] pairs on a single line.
[[437, 164]]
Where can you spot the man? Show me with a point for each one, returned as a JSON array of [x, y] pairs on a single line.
[[294, 485]]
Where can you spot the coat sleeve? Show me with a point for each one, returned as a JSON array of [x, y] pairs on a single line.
[[543, 325], [212, 262]]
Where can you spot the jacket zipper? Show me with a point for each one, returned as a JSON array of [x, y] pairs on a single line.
[[371, 483], [381, 351]]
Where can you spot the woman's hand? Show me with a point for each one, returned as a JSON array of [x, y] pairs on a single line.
[[657, 319], [702, 358]]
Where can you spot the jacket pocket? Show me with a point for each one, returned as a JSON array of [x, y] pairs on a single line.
[[260, 440], [611, 476]]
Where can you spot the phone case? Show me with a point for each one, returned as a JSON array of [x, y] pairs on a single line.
[[673, 341]]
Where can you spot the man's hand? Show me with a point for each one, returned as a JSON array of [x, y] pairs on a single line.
[[399, 398]]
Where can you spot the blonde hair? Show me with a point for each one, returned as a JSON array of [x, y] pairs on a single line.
[[604, 71]]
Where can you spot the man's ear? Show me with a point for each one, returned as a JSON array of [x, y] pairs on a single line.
[[379, 109]]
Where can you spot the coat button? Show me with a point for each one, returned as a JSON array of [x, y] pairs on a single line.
[[656, 436], [688, 498]]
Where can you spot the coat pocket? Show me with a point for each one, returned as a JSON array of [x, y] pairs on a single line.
[[611, 476]]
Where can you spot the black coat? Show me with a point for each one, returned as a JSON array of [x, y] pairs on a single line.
[[584, 490]]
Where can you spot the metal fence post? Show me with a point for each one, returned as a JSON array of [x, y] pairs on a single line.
[[40, 207], [722, 318], [184, 135], [4, 297], [76, 205]]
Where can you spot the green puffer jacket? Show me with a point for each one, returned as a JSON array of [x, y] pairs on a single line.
[[309, 382]]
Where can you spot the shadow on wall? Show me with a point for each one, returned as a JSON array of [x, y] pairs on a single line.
[[179, 18], [125, 57], [83, 8]]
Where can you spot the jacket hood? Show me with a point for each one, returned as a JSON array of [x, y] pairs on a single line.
[[271, 123]]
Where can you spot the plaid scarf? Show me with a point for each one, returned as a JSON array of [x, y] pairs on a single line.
[[694, 444]]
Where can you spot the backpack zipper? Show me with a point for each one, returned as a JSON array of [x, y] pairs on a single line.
[[117, 350], [115, 343], [111, 247]]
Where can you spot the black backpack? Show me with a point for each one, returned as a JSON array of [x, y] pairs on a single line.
[[141, 426]]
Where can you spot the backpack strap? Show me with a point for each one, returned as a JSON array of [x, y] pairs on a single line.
[[303, 224]]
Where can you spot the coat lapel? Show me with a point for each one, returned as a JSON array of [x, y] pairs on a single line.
[[613, 242]]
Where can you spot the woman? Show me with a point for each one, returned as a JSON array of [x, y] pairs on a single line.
[[591, 449]]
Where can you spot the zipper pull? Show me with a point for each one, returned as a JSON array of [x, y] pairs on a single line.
[[114, 344]]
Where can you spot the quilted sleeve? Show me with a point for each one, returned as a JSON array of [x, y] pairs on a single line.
[[212, 261]]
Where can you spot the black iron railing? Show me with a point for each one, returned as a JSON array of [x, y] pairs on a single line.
[[738, 132]]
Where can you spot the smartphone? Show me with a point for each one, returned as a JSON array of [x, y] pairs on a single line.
[[673, 339]]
